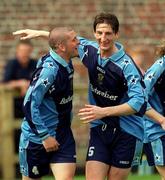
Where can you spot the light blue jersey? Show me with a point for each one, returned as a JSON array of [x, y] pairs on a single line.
[[112, 81], [48, 101], [155, 86]]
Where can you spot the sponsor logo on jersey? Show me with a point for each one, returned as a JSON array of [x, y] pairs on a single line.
[[66, 100], [103, 93]]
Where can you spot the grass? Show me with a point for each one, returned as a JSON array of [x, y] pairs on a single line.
[[131, 177], [149, 177]]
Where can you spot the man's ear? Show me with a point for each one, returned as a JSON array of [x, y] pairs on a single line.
[[62, 47], [94, 33], [117, 35]]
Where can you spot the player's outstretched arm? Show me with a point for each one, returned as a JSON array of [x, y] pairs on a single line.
[[90, 112], [30, 33]]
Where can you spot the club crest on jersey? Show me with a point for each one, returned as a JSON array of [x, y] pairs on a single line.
[[100, 78]]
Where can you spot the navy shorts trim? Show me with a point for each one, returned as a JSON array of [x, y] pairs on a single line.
[[114, 147]]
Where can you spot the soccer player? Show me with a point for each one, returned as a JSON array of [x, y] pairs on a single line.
[[155, 136], [115, 92], [46, 138]]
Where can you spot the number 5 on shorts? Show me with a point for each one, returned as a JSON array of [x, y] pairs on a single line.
[[91, 151]]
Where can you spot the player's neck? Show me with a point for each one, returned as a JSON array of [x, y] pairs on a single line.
[[109, 52], [64, 56]]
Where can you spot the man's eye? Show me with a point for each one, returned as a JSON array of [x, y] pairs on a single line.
[[99, 33]]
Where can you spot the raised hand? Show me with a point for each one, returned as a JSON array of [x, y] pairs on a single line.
[[30, 33]]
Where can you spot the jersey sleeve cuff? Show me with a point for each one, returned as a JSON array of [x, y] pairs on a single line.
[[43, 136], [148, 106], [134, 105]]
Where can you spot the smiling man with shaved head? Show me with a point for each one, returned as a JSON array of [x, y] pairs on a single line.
[[46, 139]]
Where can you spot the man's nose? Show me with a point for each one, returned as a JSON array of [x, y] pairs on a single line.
[[103, 37]]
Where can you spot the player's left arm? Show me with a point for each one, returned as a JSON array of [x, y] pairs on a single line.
[[31, 33], [91, 112], [135, 103]]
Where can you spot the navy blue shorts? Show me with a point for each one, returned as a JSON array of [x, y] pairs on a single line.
[[155, 152], [114, 147], [35, 161]]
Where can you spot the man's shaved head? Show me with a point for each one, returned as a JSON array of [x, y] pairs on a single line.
[[58, 35]]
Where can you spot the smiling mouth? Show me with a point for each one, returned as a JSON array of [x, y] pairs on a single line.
[[104, 45]]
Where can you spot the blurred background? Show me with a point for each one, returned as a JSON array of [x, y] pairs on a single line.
[[142, 24]]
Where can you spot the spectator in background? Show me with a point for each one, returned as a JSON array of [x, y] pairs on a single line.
[[17, 74]]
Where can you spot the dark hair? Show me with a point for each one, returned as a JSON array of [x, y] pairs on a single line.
[[107, 18], [161, 49]]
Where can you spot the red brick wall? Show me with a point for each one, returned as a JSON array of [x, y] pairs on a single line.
[[142, 21], [142, 25]]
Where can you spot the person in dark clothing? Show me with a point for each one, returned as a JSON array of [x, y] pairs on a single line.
[[17, 75], [18, 72]]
